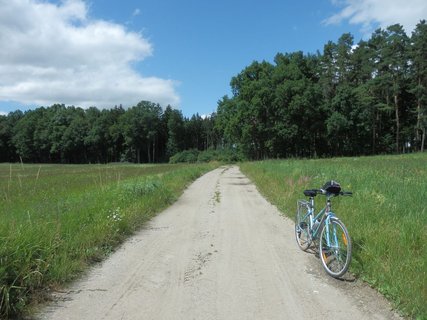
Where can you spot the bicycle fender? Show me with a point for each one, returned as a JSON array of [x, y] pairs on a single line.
[[332, 215]]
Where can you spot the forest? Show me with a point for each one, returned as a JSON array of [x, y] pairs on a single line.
[[352, 99], [144, 133], [364, 99]]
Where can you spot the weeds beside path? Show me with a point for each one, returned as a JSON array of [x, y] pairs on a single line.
[[57, 219]]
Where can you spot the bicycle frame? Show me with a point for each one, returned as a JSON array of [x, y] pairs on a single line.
[[323, 216]]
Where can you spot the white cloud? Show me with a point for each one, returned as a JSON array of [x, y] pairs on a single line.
[[58, 54], [380, 13], [3, 113]]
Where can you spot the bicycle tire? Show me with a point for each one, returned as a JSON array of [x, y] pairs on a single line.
[[336, 257], [302, 226]]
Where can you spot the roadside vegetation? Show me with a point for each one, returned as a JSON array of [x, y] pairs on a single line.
[[386, 217], [55, 220], [194, 155]]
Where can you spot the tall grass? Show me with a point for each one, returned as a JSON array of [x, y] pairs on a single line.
[[386, 217], [55, 220]]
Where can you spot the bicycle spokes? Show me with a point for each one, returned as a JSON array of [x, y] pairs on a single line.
[[335, 249], [302, 226], [302, 235]]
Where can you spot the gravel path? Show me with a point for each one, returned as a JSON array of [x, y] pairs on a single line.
[[220, 252]]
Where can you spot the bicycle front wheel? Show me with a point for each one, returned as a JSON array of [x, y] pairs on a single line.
[[302, 226], [335, 248]]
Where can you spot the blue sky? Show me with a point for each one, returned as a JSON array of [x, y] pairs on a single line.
[[183, 53]]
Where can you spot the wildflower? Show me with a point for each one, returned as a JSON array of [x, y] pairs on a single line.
[[115, 215]]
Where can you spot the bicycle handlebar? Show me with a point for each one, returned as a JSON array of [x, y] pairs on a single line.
[[314, 192]]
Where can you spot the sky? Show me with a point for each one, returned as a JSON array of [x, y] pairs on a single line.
[[181, 53]]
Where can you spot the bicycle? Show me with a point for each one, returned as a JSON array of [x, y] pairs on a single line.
[[325, 227]]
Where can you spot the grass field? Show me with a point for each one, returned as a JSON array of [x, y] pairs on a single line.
[[386, 217], [55, 220]]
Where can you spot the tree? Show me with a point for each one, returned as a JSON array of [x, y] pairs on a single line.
[[328, 70], [195, 134], [344, 66], [298, 117], [23, 136], [140, 127], [7, 147], [95, 139], [392, 64], [176, 132], [254, 94], [73, 138], [60, 119], [4, 139], [115, 133], [209, 133], [418, 56], [361, 64], [152, 120], [227, 122], [380, 87]]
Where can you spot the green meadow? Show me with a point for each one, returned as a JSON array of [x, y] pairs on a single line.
[[386, 217], [55, 220]]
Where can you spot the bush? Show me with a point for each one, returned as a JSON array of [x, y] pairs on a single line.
[[208, 155], [191, 156], [187, 156]]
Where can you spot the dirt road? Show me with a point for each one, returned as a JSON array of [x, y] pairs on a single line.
[[220, 252]]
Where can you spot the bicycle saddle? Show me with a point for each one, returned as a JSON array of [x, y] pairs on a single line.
[[310, 193]]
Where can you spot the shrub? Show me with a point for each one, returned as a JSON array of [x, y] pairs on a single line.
[[223, 155], [187, 156]]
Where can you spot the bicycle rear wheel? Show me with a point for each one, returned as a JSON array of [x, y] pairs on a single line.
[[335, 248], [302, 226]]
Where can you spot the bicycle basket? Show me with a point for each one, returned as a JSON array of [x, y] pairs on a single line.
[[332, 187]]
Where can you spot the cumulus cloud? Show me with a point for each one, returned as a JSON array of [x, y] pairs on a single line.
[[371, 14], [55, 53]]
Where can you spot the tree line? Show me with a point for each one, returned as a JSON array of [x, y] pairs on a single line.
[[144, 133], [364, 99]]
